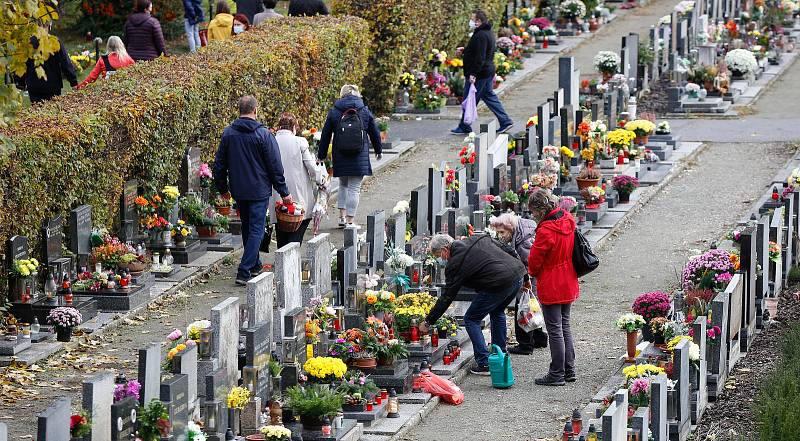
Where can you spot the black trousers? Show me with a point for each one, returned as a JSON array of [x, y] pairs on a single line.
[[284, 238], [528, 340]]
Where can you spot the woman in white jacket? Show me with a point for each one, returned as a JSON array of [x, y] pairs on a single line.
[[303, 175]]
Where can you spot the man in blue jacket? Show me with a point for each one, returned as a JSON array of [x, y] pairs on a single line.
[[247, 166]]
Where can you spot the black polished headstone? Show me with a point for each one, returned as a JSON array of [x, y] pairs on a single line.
[[123, 419], [128, 215], [52, 238], [80, 230]]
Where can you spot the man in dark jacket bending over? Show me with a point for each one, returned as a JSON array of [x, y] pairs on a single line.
[[480, 264], [248, 166]]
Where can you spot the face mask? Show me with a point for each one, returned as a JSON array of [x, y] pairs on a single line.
[[472, 24], [441, 262], [238, 29]]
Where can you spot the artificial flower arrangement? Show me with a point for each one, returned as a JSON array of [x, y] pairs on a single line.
[[698, 303], [652, 304], [381, 301], [774, 252], [238, 397], [692, 89], [153, 421], [630, 322], [583, 130], [436, 57], [587, 154], [180, 231], [401, 206], [641, 127], [710, 270], [620, 138], [541, 180], [640, 392], [25, 267], [194, 432], [572, 9], [593, 195], [194, 328], [175, 345], [131, 388], [741, 61], [598, 129], [203, 173], [607, 62], [111, 251], [275, 433], [532, 121], [320, 315], [566, 152], [64, 317], [324, 370], [450, 180], [624, 183], [663, 128], [569, 204], [80, 425], [661, 328]]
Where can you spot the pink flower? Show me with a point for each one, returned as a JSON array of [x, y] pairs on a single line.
[[204, 171], [174, 335]]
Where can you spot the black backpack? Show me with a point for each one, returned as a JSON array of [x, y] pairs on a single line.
[[349, 137], [583, 258]]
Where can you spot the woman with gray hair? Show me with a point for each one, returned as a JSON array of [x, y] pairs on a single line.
[[353, 129], [550, 262], [519, 233]]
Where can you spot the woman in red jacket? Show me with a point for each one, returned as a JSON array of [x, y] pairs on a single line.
[[116, 58], [550, 262]]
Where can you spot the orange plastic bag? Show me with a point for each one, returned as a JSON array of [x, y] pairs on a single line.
[[438, 386]]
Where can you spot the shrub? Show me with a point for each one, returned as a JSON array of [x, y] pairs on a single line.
[[778, 402], [405, 31], [794, 275], [80, 148]]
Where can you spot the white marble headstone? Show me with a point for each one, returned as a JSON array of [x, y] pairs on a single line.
[[225, 324], [260, 293], [98, 396], [287, 276], [149, 372], [319, 251]]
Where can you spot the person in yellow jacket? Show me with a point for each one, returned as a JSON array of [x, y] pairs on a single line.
[[221, 27]]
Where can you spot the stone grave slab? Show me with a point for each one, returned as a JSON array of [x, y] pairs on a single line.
[[609, 220], [185, 363], [225, 341], [260, 291], [98, 396], [652, 173], [123, 419], [595, 214], [174, 393], [80, 229], [149, 372], [390, 426], [53, 423]]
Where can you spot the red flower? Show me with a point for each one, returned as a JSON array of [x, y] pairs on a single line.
[[462, 152], [472, 160], [163, 426], [463, 161], [74, 420]]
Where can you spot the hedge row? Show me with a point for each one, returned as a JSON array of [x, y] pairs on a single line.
[[404, 32], [80, 148]]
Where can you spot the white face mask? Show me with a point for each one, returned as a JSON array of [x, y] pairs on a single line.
[[472, 24], [238, 29]]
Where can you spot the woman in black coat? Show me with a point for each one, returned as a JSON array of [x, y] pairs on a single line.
[[349, 167]]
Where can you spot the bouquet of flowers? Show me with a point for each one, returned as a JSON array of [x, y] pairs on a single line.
[[621, 138], [436, 57], [710, 270], [64, 317], [407, 80], [323, 370], [641, 127], [652, 304], [774, 252], [24, 267], [506, 45], [571, 9], [194, 328], [630, 322], [542, 180], [381, 301], [635, 371], [129, 389], [532, 121], [607, 62], [398, 261], [180, 231], [79, 425], [624, 183], [175, 347], [593, 195], [194, 432], [238, 397], [741, 61], [640, 391], [692, 89], [568, 203], [275, 433], [204, 174], [663, 128], [451, 183]]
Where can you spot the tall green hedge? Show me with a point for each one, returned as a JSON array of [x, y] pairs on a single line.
[[80, 148], [404, 32]]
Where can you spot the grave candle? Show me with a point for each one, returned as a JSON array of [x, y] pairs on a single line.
[[577, 421], [309, 351], [378, 399], [337, 323], [384, 394], [305, 271], [414, 331], [393, 405], [591, 435], [567, 431], [205, 343], [27, 296], [416, 385], [544, 43], [326, 427], [435, 340], [370, 406]]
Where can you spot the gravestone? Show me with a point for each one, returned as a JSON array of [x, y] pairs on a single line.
[[762, 279], [174, 393], [499, 179], [482, 145], [718, 370], [123, 419], [318, 250], [569, 79], [699, 374], [189, 180], [640, 422], [673, 41], [554, 129], [287, 275], [258, 347], [53, 423], [260, 291], [129, 218], [185, 363], [376, 237], [615, 418], [98, 396], [16, 249], [543, 129], [149, 372], [436, 191], [463, 182], [518, 172], [52, 238], [776, 268], [419, 211], [680, 375], [225, 344], [735, 294], [610, 109], [567, 125], [80, 230], [658, 408], [748, 264], [396, 226]]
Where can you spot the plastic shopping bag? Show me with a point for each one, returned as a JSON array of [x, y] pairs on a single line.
[[529, 313], [470, 106], [444, 389]]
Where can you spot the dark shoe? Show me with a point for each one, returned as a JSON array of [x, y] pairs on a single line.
[[458, 131], [547, 380], [519, 350], [256, 271], [479, 370], [505, 128], [539, 345], [241, 282], [570, 378]]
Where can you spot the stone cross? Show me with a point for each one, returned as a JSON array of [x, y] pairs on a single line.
[[98, 396], [149, 372], [225, 327]]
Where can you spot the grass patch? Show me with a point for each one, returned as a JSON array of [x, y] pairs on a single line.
[[778, 402], [794, 275]]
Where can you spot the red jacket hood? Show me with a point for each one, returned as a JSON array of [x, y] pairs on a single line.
[[564, 224]]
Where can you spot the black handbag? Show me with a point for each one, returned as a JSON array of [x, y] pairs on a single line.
[[264, 248], [583, 258]]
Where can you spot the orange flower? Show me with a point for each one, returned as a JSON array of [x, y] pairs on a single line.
[[372, 299], [313, 130], [140, 201]]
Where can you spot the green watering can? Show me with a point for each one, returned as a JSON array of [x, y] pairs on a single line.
[[500, 368]]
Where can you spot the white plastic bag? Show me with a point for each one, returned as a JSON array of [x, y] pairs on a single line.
[[470, 106], [529, 313]]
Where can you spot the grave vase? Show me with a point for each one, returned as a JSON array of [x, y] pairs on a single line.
[[624, 197], [632, 338], [206, 232], [641, 140], [63, 334], [233, 420], [17, 289]]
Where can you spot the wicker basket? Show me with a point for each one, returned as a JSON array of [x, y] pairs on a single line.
[[288, 223]]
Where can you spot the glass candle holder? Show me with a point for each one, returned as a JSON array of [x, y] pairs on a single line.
[[204, 348], [305, 271]]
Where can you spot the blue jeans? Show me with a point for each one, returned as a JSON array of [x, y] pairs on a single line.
[[484, 90], [254, 216], [349, 193], [192, 35], [494, 305]]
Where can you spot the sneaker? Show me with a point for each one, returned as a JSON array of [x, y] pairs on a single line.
[[458, 131], [519, 350], [547, 380], [505, 128], [241, 282], [256, 271], [570, 378], [342, 222], [479, 370]]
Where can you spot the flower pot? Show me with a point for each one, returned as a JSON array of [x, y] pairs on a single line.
[[63, 334], [624, 198], [256, 437], [658, 339], [136, 267], [647, 333], [384, 136], [641, 140], [364, 363], [206, 232], [442, 333], [311, 423], [586, 183], [353, 407], [225, 211], [631, 346]]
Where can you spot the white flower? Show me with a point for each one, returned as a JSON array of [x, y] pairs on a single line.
[[572, 8], [194, 432], [741, 60], [692, 88], [598, 127], [694, 352], [317, 135], [664, 127], [330, 311], [607, 61], [401, 207]]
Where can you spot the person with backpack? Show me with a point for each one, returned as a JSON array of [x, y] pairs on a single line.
[[550, 262], [490, 268], [353, 129], [143, 36], [116, 58]]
